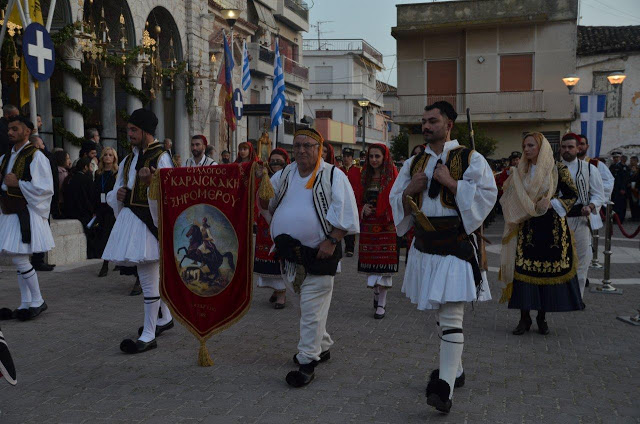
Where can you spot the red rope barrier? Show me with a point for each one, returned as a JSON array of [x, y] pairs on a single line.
[[622, 230]]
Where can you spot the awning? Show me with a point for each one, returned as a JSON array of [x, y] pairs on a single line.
[[265, 16]]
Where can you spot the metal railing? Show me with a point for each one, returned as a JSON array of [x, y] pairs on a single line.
[[342, 45], [266, 55], [300, 8], [294, 68], [479, 102], [354, 89], [371, 134]]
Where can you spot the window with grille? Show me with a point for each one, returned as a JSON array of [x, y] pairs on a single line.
[[614, 94]]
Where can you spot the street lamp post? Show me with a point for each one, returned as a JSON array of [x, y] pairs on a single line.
[[231, 16], [364, 104]]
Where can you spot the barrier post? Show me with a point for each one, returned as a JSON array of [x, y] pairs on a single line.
[[606, 286], [594, 244]]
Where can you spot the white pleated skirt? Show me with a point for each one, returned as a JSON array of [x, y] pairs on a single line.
[[431, 280], [385, 281], [274, 282], [11, 238], [130, 243]]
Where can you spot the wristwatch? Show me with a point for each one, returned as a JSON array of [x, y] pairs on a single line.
[[333, 240]]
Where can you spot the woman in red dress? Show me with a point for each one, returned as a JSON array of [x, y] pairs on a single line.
[[265, 266], [378, 249]]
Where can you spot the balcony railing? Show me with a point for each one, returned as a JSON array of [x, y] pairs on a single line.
[[300, 8], [294, 68], [371, 134], [342, 45], [350, 89], [335, 131], [266, 55], [481, 102]]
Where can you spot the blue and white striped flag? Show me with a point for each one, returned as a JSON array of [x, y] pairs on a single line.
[[277, 95], [246, 75], [592, 109]]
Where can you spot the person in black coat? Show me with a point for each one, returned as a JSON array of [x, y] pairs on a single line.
[[105, 218], [79, 200], [9, 111], [37, 259]]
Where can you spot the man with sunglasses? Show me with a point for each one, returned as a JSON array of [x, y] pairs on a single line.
[[313, 209], [445, 192]]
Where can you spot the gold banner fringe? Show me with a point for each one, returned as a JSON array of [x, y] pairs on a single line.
[[204, 360], [265, 191], [506, 293]]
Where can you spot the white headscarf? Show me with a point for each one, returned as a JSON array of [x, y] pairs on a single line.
[[522, 191]]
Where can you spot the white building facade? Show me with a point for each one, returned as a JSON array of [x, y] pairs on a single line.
[[342, 74], [601, 51]]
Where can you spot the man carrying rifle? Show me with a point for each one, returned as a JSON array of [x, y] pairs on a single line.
[[446, 192]]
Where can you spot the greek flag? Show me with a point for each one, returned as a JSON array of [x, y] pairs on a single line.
[[246, 75], [277, 95], [592, 109]]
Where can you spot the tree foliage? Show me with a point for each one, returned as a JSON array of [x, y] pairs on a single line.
[[485, 145], [400, 146]]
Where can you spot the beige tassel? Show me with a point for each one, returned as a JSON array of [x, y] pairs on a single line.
[[204, 360], [154, 186], [265, 191], [506, 293]]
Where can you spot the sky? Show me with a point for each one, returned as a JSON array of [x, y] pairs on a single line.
[[372, 20]]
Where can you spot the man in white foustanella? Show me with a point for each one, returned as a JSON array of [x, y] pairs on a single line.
[[199, 144], [607, 178], [445, 192], [25, 200], [584, 215], [313, 209], [134, 238]]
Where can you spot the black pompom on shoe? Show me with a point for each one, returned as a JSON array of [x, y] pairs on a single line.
[[302, 377], [131, 347], [435, 375], [438, 395]]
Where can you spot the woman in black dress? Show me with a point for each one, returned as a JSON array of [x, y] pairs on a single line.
[[105, 218], [538, 258]]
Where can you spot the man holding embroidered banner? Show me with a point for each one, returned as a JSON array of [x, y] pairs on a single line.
[[134, 238], [445, 192]]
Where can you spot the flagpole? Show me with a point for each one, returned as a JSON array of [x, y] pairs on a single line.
[[235, 133], [3, 31], [32, 86]]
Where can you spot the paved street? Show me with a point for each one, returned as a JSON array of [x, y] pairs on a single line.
[[70, 368]]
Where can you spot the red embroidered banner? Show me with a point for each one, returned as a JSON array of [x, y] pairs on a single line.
[[206, 243]]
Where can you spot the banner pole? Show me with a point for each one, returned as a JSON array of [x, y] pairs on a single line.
[[32, 86], [52, 7], [3, 31]]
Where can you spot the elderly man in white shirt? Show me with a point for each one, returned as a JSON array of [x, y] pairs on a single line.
[[313, 209]]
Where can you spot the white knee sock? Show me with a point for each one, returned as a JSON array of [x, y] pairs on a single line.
[[151, 308], [451, 344], [166, 314], [29, 277], [382, 296], [25, 294], [149, 275], [460, 369]]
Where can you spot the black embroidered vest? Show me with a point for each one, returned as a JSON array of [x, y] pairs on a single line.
[[458, 160], [148, 159]]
